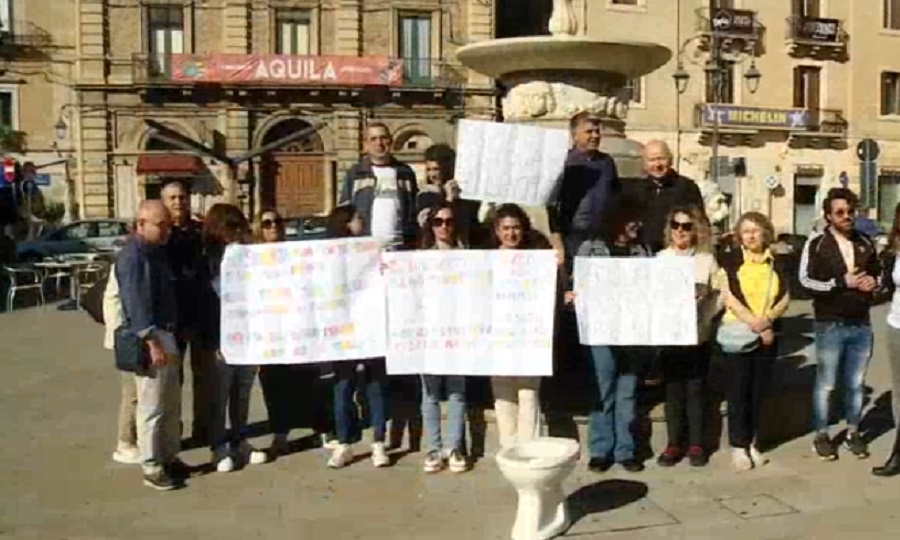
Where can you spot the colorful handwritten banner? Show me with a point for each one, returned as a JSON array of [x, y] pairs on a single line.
[[302, 302], [466, 312], [636, 301]]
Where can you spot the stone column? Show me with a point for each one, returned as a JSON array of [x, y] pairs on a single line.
[[93, 144], [346, 125]]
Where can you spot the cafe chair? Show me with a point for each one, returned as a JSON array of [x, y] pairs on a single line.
[[23, 278]]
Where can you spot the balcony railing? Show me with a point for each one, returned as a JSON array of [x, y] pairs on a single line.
[[24, 34], [793, 120], [272, 70], [815, 31]]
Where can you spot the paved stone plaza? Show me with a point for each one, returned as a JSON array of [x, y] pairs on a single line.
[[58, 416]]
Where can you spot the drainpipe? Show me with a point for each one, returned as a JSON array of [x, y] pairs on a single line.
[[677, 93], [79, 142]]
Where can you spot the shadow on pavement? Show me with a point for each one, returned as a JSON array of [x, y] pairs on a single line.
[[604, 496], [879, 419]]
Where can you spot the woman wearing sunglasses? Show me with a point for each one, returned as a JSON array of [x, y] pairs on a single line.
[[615, 369], [282, 382], [439, 232], [685, 368], [754, 290]]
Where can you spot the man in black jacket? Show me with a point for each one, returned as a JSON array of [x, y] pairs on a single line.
[[838, 266], [589, 183], [660, 192]]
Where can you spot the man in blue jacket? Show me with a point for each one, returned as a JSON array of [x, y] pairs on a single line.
[[590, 181], [148, 301], [383, 189]]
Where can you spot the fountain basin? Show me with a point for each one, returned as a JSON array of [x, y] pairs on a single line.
[[623, 60]]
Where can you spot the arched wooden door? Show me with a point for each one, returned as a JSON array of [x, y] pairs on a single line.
[[293, 177]]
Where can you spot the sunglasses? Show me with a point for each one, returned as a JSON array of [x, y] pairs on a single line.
[[842, 212], [679, 225], [440, 222], [269, 223]]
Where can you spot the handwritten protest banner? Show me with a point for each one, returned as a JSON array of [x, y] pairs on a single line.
[[509, 162], [470, 312], [302, 302], [636, 301]]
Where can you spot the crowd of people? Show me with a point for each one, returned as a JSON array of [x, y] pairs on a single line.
[[164, 288]]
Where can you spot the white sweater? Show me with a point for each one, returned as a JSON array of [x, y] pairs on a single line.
[[113, 314]]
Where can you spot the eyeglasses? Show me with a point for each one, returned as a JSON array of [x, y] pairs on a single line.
[[269, 223], [841, 213], [440, 222], [685, 226]]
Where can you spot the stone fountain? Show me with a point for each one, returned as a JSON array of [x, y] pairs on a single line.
[[552, 78]]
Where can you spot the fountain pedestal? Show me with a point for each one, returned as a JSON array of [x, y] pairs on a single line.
[[550, 79]]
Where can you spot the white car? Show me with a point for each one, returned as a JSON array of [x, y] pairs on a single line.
[[76, 237]]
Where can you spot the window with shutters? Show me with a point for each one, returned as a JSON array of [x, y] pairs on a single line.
[[7, 111], [807, 87], [293, 31], [892, 14], [890, 93], [165, 37], [6, 16], [415, 45], [634, 92]]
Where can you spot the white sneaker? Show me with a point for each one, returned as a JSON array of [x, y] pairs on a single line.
[[379, 455], [251, 455], [759, 459], [434, 462], [740, 460], [457, 462], [127, 454], [340, 457], [329, 442], [223, 460]]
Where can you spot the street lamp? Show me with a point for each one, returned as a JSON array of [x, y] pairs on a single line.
[[717, 69], [60, 129]]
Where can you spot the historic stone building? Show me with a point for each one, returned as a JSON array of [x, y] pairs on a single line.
[[212, 90], [829, 78]]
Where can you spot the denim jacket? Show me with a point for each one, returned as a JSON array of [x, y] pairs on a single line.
[[359, 189]]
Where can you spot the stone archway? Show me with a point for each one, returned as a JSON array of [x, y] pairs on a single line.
[[293, 179], [409, 146]]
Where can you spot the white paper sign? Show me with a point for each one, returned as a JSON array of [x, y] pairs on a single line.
[[635, 301], [466, 312], [509, 162], [302, 302]]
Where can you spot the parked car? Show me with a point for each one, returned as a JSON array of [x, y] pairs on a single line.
[[76, 237], [306, 228]]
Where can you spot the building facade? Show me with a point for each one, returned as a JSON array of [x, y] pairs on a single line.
[[829, 78], [212, 91]]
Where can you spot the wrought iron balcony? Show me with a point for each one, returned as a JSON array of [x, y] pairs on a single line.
[[272, 71], [24, 35], [737, 31], [815, 36]]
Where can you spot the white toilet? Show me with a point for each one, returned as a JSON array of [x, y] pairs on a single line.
[[537, 469]]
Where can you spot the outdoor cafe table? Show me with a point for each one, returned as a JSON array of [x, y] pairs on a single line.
[[73, 264]]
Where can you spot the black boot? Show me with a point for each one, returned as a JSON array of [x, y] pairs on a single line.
[[891, 467]]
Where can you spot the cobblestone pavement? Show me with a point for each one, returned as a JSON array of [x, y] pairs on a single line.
[[58, 414]]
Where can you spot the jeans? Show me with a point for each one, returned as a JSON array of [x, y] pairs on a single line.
[[345, 418], [231, 398], [456, 410], [612, 413], [517, 409], [843, 349], [158, 414], [684, 372], [749, 374]]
